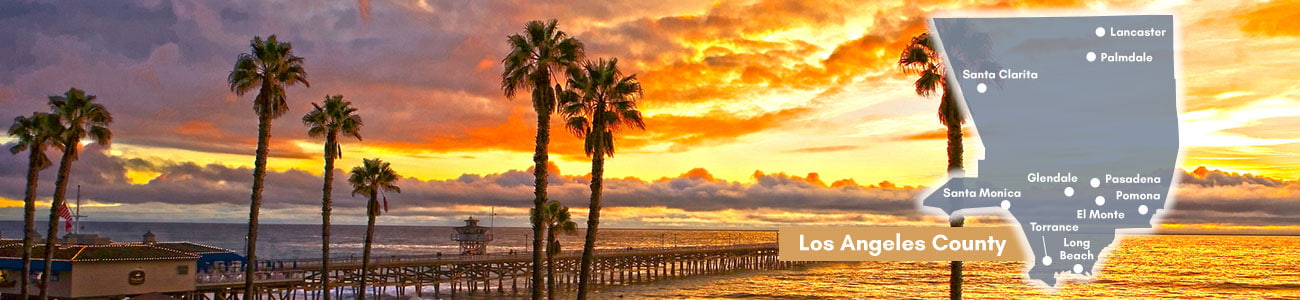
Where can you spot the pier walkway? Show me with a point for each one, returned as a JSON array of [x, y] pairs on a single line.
[[501, 274]]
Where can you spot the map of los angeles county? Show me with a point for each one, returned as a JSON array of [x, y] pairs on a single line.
[[1079, 122]]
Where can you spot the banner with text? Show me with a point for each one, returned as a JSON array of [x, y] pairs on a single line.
[[900, 244]]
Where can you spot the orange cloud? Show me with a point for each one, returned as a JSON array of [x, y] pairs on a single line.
[[484, 64], [1276, 18], [208, 137], [518, 133], [685, 131], [697, 173], [746, 68], [199, 129], [812, 178], [363, 6]]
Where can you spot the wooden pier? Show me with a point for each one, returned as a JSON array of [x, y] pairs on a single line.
[[479, 275]]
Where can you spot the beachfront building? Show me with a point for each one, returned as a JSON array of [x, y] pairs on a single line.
[[81, 271], [473, 239], [87, 266]]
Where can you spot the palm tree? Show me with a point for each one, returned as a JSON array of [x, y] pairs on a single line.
[[370, 178], [557, 220], [33, 134], [538, 58], [334, 117], [921, 58], [270, 68], [80, 117], [600, 101]]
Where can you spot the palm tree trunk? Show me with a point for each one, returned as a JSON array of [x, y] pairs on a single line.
[[550, 263], [539, 191], [372, 209], [52, 233], [255, 203], [593, 217], [29, 217], [954, 165], [954, 146], [325, 208], [955, 278]]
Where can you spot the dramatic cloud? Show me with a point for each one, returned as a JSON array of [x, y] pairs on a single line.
[[104, 180], [1212, 196], [1204, 196]]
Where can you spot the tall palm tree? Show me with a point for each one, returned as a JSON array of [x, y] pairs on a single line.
[[538, 59], [921, 58], [600, 102], [335, 116], [81, 117], [33, 134], [370, 178], [557, 220], [269, 68]]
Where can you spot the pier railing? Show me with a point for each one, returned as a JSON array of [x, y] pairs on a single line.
[[290, 269], [491, 274]]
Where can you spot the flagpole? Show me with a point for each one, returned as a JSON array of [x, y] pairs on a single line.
[[76, 218]]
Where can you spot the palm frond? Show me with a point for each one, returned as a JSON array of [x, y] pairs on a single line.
[[603, 101], [374, 176], [921, 58], [78, 116], [23, 129], [36, 133], [270, 66], [928, 83], [537, 55], [101, 135]]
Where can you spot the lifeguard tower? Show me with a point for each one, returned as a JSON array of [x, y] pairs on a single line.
[[473, 238]]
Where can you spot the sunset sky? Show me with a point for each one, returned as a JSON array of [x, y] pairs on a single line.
[[758, 113]]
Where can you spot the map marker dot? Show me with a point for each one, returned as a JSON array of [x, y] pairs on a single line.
[[1092, 56], [1095, 182], [1006, 204], [1047, 260], [1101, 200], [1078, 268], [1143, 209], [1101, 32], [1069, 191], [981, 88]]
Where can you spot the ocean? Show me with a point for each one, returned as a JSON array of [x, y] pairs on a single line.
[[1160, 266], [1142, 267], [290, 241]]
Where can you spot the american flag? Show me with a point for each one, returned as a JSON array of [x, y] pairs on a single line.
[[67, 217]]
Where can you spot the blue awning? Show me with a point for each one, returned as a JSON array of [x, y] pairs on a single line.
[[37, 265], [206, 260]]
